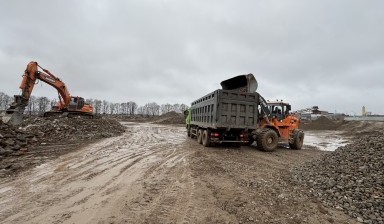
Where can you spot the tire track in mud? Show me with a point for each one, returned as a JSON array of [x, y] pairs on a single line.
[[75, 186]]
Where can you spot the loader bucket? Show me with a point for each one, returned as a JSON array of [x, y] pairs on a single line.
[[242, 83]]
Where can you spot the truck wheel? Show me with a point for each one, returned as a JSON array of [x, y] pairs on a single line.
[[298, 140], [268, 140], [205, 138], [200, 136]]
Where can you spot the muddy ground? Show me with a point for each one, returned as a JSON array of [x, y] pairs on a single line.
[[38, 140], [155, 174]]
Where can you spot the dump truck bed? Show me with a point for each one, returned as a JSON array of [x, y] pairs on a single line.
[[226, 109]]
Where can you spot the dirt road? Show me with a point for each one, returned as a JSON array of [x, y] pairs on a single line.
[[155, 174]]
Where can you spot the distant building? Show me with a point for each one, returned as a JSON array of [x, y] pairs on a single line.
[[363, 113]]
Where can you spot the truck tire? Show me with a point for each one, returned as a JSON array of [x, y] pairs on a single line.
[[298, 140], [205, 138], [268, 140], [200, 136]]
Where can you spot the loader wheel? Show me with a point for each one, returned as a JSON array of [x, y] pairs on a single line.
[[205, 139], [268, 140], [200, 136], [298, 140]]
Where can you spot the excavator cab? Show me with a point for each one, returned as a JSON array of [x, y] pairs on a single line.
[[76, 103]]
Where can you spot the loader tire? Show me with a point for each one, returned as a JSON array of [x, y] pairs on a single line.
[[298, 140], [268, 140], [205, 138], [200, 136]]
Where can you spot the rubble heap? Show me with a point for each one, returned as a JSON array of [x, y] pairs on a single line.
[[350, 179], [36, 131], [72, 129], [13, 140]]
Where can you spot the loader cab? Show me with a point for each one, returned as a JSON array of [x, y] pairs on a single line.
[[279, 109]]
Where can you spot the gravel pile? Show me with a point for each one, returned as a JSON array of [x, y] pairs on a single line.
[[350, 179], [72, 129], [40, 131]]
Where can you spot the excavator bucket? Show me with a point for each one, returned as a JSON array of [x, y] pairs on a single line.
[[14, 118], [14, 114], [242, 83]]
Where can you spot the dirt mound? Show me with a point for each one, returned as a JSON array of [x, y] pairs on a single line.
[[361, 127], [321, 123], [170, 118], [350, 179]]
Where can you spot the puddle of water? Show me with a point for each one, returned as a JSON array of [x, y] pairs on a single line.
[[325, 140]]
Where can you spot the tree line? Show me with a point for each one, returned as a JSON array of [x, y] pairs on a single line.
[[39, 105]]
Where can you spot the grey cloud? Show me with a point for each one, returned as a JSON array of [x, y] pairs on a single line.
[[325, 53]]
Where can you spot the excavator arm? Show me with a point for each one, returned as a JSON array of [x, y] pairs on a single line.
[[15, 112]]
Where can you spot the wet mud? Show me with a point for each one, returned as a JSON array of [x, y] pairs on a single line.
[[154, 173]]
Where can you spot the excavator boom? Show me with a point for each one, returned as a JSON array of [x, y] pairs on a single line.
[[14, 113]]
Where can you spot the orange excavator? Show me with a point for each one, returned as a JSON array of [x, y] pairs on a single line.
[[67, 105]]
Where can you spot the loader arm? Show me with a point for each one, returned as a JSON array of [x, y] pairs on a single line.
[[264, 108]]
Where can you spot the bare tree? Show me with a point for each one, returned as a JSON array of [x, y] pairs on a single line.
[[43, 104], [53, 103], [32, 105], [5, 101], [152, 109], [124, 108], [132, 107], [166, 108], [176, 108], [117, 108], [97, 106], [112, 108], [183, 107], [105, 107], [140, 110]]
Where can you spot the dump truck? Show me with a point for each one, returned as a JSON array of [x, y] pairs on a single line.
[[238, 114]]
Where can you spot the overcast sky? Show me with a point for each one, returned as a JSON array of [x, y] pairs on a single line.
[[324, 53]]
